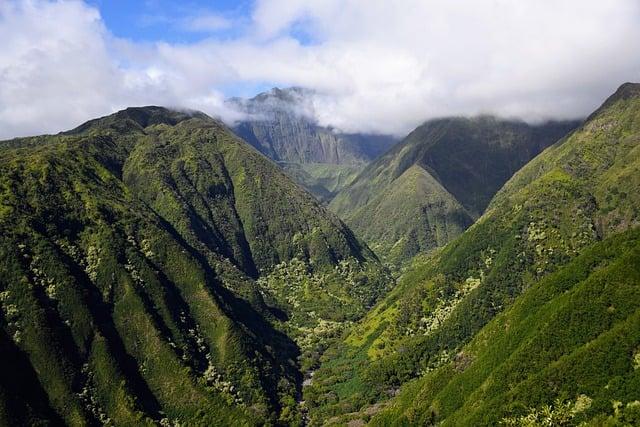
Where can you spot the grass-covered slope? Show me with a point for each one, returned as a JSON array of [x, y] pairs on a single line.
[[469, 158], [323, 180], [129, 253], [414, 213], [570, 343], [421, 339]]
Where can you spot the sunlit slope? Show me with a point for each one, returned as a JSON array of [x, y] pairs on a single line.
[[572, 196]]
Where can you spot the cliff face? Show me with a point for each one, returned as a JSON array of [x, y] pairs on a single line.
[[280, 125]]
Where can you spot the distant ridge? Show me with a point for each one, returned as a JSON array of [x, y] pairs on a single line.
[[468, 160]]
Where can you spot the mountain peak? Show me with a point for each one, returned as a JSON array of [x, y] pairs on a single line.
[[625, 92], [281, 123], [290, 94], [292, 100], [140, 117]]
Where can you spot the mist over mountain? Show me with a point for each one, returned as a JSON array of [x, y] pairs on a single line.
[[281, 124]]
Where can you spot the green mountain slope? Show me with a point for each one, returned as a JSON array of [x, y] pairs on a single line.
[[537, 260], [323, 180], [138, 253], [415, 212], [470, 158], [570, 342]]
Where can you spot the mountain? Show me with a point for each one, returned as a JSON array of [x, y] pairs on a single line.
[[142, 257], [280, 124], [530, 317], [432, 185], [323, 180]]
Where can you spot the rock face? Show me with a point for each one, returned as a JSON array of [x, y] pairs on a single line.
[[280, 124], [466, 160], [132, 253]]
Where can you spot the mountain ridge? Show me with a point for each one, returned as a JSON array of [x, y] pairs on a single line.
[[131, 251], [527, 315], [470, 157]]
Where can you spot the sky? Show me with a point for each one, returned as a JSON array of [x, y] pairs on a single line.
[[377, 66]]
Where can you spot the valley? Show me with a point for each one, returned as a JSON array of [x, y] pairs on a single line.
[[314, 213], [160, 267]]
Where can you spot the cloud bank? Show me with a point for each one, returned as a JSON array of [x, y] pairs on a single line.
[[373, 65]]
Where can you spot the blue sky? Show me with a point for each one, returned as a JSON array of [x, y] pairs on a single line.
[[165, 20], [188, 22]]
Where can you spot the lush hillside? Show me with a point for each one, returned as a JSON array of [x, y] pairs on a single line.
[[323, 180], [141, 259], [280, 124], [468, 160], [571, 343], [536, 304], [413, 213]]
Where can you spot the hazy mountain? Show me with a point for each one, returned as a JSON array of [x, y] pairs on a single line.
[[432, 185], [280, 124], [530, 316], [141, 255]]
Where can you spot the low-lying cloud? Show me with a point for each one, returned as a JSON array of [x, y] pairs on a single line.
[[373, 65]]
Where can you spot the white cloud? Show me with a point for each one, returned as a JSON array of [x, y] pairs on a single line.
[[399, 63], [59, 66], [206, 23], [54, 63], [375, 65]]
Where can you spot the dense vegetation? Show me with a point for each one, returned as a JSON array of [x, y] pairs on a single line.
[[323, 180], [431, 186], [531, 311], [156, 269], [573, 336], [138, 253]]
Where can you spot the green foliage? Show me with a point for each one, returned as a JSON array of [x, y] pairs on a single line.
[[320, 305], [130, 249], [527, 306], [430, 187], [558, 414]]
